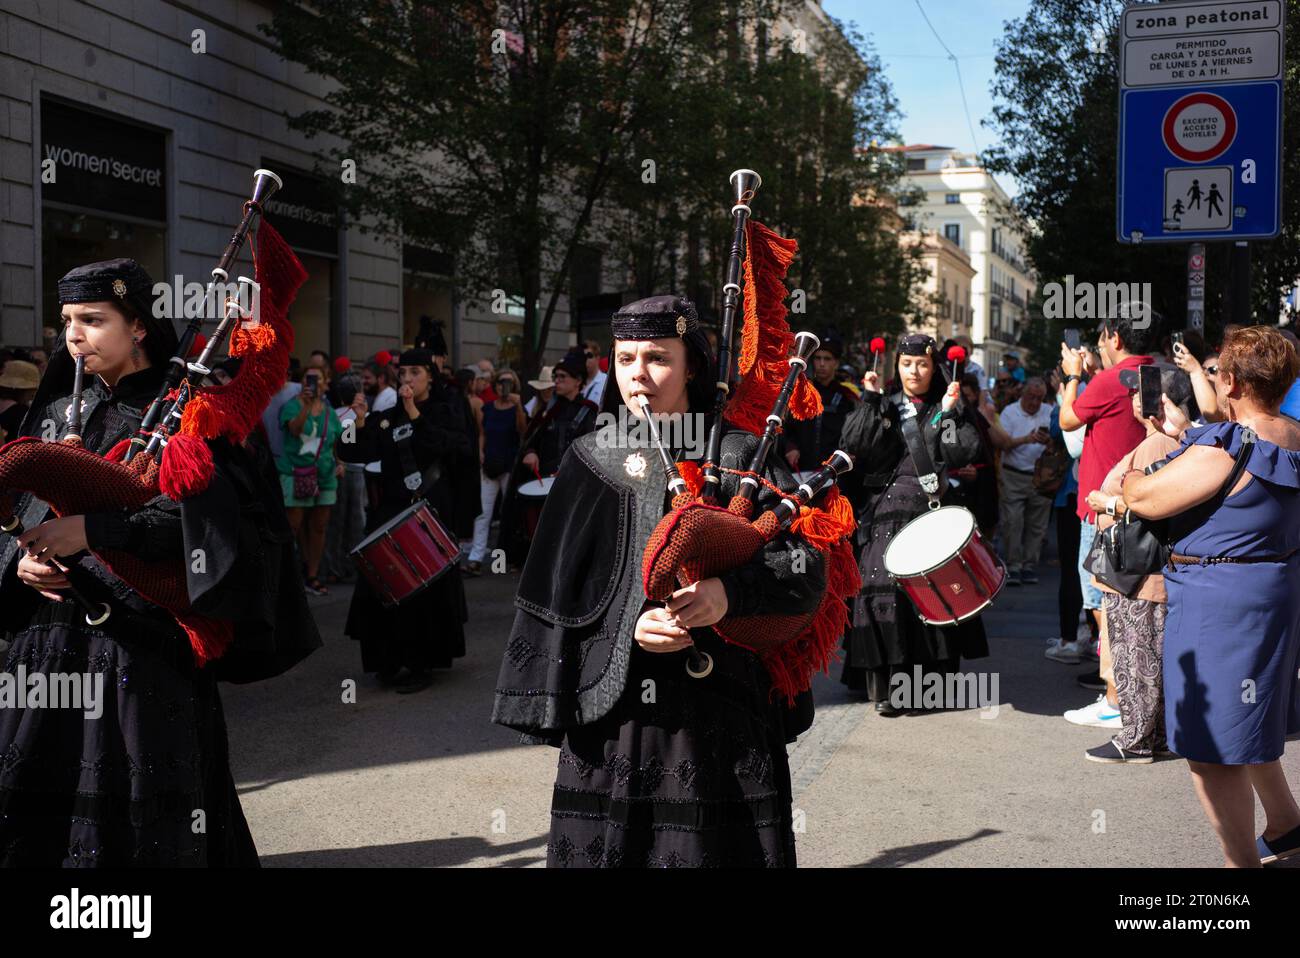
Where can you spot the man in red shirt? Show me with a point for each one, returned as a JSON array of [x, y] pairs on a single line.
[[1106, 409]]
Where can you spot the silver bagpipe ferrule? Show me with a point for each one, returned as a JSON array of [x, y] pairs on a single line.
[[835, 466]]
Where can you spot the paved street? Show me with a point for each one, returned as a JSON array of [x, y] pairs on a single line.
[[425, 779]]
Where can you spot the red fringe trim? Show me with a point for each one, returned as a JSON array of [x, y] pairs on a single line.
[[693, 475], [186, 467], [235, 409], [118, 452], [765, 336]]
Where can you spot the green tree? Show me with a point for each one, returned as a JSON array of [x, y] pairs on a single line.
[[1057, 92], [489, 129], [804, 112]]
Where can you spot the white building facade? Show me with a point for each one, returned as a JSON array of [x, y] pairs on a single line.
[[963, 203]]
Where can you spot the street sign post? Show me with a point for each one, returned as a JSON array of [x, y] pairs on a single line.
[[1200, 145]]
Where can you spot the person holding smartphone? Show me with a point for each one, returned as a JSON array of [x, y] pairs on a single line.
[[1024, 513], [309, 475]]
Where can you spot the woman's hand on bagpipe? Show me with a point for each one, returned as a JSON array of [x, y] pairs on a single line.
[[657, 631], [699, 604], [41, 577], [871, 382], [951, 395], [56, 537]]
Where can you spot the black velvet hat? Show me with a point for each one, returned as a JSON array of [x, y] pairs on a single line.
[[122, 281], [657, 317], [832, 343], [418, 357]]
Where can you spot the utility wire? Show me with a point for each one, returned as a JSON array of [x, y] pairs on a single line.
[[961, 87]]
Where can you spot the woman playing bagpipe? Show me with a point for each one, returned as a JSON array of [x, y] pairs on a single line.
[[663, 641], [419, 444], [887, 637], [134, 769]]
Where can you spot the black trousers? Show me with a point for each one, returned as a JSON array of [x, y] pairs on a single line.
[[1069, 595]]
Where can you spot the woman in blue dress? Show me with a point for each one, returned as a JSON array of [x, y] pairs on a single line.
[[1232, 637]]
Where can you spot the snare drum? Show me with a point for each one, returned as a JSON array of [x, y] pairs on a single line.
[[537, 488], [406, 554], [944, 566]]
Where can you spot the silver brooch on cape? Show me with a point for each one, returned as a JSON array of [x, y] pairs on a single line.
[[634, 465]]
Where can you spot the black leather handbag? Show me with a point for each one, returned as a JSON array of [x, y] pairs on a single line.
[[1134, 548]]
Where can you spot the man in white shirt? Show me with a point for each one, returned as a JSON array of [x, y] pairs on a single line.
[[595, 388], [1024, 512], [379, 378]]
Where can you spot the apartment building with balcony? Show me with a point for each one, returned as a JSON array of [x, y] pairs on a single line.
[[961, 202]]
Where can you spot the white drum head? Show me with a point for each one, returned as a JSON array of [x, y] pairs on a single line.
[[928, 541], [537, 488]]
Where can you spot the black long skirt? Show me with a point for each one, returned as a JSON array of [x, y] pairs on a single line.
[[681, 773], [147, 782], [886, 636], [427, 631]]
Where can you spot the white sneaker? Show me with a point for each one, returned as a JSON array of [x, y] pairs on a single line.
[[1100, 714], [1062, 651]]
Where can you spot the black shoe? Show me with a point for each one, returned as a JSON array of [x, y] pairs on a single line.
[[1112, 754], [886, 709], [391, 678], [1092, 681], [1029, 577], [415, 682]]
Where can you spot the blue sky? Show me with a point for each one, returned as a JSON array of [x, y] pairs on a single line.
[[923, 78]]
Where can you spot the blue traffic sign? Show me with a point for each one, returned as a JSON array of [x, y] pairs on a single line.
[[1200, 163]]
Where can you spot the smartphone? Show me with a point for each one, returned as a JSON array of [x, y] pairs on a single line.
[[1149, 383], [1072, 339], [1177, 338]]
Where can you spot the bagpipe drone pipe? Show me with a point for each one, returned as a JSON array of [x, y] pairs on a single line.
[[699, 538], [177, 461]]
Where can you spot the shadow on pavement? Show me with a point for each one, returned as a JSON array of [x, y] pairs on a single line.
[[440, 853], [911, 854]]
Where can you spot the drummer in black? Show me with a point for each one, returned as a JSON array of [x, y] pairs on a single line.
[[810, 442], [417, 443], [568, 417], [886, 637], [550, 433]]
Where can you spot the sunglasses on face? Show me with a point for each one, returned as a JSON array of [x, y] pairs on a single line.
[[1212, 369], [589, 355]]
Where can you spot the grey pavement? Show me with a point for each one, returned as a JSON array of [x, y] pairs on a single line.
[[427, 780]]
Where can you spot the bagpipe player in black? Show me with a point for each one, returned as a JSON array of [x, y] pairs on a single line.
[[656, 768], [126, 780]]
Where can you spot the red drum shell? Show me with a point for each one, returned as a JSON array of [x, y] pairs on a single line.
[[943, 564], [406, 554]]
